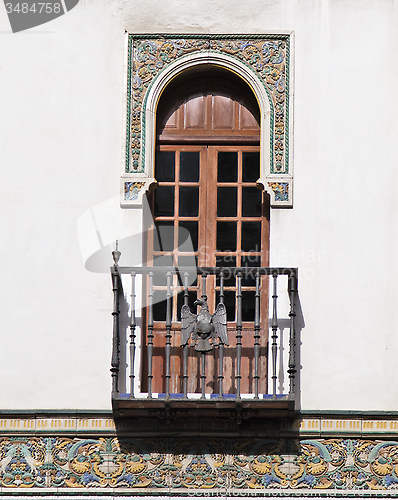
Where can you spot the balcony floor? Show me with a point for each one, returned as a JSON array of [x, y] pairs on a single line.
[[176, 415]]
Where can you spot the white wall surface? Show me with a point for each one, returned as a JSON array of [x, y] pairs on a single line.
[[61, 154]]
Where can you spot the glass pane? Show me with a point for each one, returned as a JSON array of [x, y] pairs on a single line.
[[227, 167], [188, 261], [248, 306], [189, 166], [229, 301], [189, 201], [159, 279], [251, 236], [251, 167], [163, 237], [191, 299], [226, 261], [250, 261], [226, 236], [186, 244], [227, 201], [165, 166], [164, 201], [251, 202], [159, 305]]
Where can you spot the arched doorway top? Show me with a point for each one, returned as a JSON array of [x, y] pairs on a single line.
[[261, 61], [208, 105], [206, 59]]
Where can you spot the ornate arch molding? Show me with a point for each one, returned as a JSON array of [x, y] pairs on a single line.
[[262, 61]]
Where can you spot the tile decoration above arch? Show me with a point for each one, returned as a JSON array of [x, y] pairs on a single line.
[[268, 57]]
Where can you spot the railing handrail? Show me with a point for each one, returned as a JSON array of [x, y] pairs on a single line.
[[265, 271]]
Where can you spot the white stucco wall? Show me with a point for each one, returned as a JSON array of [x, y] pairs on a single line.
[[61, 154]]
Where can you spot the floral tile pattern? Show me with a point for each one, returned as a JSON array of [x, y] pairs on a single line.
[[183, 464]]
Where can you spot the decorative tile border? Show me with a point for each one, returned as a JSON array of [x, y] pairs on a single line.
[[40, 425], [334, 426], [318, 427], [189, 466]]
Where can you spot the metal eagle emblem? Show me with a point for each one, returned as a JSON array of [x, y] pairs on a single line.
[[204, 326]]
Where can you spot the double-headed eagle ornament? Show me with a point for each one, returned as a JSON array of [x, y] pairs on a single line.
[[204, 326]]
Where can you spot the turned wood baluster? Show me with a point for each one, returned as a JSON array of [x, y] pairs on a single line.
[[168, 333], [115, 339], [257, 321], [292, 290], [274, 326], [132, 334], [116, 285], [186, 346], [238, 334], [221, 346], [150, 334], [203, 355]]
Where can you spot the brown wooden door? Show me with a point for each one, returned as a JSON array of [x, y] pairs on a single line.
[[207, 165], [211, 192]]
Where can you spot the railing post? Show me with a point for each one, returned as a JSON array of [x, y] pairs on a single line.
[[168, 333], [132, 335], [203, 354], [150, 334], [116, 282], [115, 338], [221, 346], [257, 325], [238, 334], [186, 346], [274, 326], [292, 290]]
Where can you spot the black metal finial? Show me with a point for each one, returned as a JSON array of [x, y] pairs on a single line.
[[116, 254]]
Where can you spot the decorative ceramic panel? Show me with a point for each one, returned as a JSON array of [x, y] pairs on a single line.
[[280, 191], [263, 61], [268, 56], [182, 465], [132, 190]]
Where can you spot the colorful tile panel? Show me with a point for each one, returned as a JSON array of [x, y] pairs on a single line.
[[268, 56], [185, 465]]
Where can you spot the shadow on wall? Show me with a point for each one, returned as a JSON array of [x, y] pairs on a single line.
[[226, 465], [102, 225], [124, 321]]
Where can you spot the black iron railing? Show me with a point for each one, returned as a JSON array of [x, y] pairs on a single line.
[[180, 280]]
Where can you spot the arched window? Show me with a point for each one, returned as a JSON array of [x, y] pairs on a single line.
[[207, 163]]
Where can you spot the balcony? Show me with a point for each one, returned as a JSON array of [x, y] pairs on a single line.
[[178, 358]]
